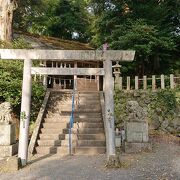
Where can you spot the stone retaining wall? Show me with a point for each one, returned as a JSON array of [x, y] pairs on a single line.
[[161, 107]]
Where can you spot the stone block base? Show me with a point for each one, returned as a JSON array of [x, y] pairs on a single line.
[[137, 132], [117, 141], [137, 147], [7, 134], [7, 151], [10, 164]]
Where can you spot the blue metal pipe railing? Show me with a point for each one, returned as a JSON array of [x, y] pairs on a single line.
[[71, 123]]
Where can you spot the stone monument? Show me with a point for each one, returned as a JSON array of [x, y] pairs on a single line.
[[8, 145], [136, 129]]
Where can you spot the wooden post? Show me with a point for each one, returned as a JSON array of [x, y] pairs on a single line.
[[162, 82], [136, 83], [144, 82], [171, 81], [97, 78], [109, 109], [153, 82], [64, 83], [104, 77], [25, 112], [128, 83], [45, 81]]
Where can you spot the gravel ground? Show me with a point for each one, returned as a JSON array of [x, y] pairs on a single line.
[[161, 164]]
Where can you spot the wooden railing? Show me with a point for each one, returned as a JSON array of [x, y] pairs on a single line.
[[154, 82]]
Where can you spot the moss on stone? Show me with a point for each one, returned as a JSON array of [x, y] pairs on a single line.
[[161, 107]]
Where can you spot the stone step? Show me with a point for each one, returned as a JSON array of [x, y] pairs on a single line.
[[91, 143], [56, 120], [88, 96], [57, 116], [91, 100], [64, 103], [76, 120], [51, 131], [78, 125], [64, 150], [88, 115], [85, 131], [88, 93], [88, 125], [69, 99], [55, 113], [80, 110], [76, 115], [88, 130], [52, 136], [88, 120], [88, 99], [100, 136], [49, 142], [55, 101], [46, 150], [68, 110], [88, 86], [59, 125], [66, 142], [69, 106], [61, 97], [89, 150]]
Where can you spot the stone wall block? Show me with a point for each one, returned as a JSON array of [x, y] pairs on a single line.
[[7, 134], [137, 132]]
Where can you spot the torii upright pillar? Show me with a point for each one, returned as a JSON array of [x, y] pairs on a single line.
[[25, 112], [109, 109]]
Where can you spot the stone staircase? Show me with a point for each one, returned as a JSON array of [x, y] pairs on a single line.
[[87, 133]]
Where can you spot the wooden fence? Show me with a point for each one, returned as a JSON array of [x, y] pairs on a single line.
[[154, 82]]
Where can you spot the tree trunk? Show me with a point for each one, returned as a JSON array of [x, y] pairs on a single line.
[[7, 8]]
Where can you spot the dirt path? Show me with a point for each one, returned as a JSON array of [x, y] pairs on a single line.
[[161, 164]]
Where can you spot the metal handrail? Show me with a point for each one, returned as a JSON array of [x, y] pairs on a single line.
[[71, 123]]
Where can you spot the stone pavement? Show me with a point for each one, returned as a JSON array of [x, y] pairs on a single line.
[[161, 164]]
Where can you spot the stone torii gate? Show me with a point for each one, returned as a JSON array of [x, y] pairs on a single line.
[[107, 57]]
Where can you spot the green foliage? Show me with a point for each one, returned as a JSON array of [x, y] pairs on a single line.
[[164, 102], [149, 27], [10, 81], [11, 75], [150, 45], [38, 93], [59, 18], [20, 43], [161, 104]]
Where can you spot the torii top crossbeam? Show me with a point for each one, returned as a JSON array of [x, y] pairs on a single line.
[[81, 55]]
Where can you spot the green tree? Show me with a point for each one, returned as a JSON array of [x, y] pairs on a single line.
[[11, 75], [58, 18], [150, 27], [152, 47], [69, 17]]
